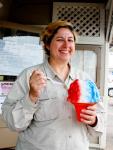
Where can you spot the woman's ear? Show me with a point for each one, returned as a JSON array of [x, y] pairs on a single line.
[[47, 47]]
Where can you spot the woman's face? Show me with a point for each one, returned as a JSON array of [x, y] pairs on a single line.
[[62, 46]]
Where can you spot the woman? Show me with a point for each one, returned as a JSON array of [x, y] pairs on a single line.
[[37, 105]]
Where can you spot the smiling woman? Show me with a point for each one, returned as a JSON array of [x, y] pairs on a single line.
[[37, 106]]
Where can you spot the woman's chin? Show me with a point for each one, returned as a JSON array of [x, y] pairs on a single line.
[[65, 57]]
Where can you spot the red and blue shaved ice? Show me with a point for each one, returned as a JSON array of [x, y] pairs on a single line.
[[83, 91]]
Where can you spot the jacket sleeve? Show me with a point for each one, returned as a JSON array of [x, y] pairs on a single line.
[[101, 113], [101, 121], [17, 109]]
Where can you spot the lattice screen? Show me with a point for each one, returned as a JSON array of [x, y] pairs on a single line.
[[88, 20]]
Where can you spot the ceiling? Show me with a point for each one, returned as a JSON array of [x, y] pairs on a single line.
[[16, 14], [32, 11]]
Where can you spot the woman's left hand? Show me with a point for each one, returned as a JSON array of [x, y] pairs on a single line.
[[88, 116]]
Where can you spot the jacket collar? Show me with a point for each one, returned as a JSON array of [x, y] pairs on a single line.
[[52, 74]]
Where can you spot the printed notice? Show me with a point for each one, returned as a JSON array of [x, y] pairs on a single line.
[[4, 90], [18, 53]]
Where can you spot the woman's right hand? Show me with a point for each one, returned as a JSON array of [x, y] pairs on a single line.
[[37, 82]]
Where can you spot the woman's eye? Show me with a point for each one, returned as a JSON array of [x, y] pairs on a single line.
[[60, 39], [70, 40]]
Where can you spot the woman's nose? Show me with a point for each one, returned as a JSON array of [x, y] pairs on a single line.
[[65, 44]]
